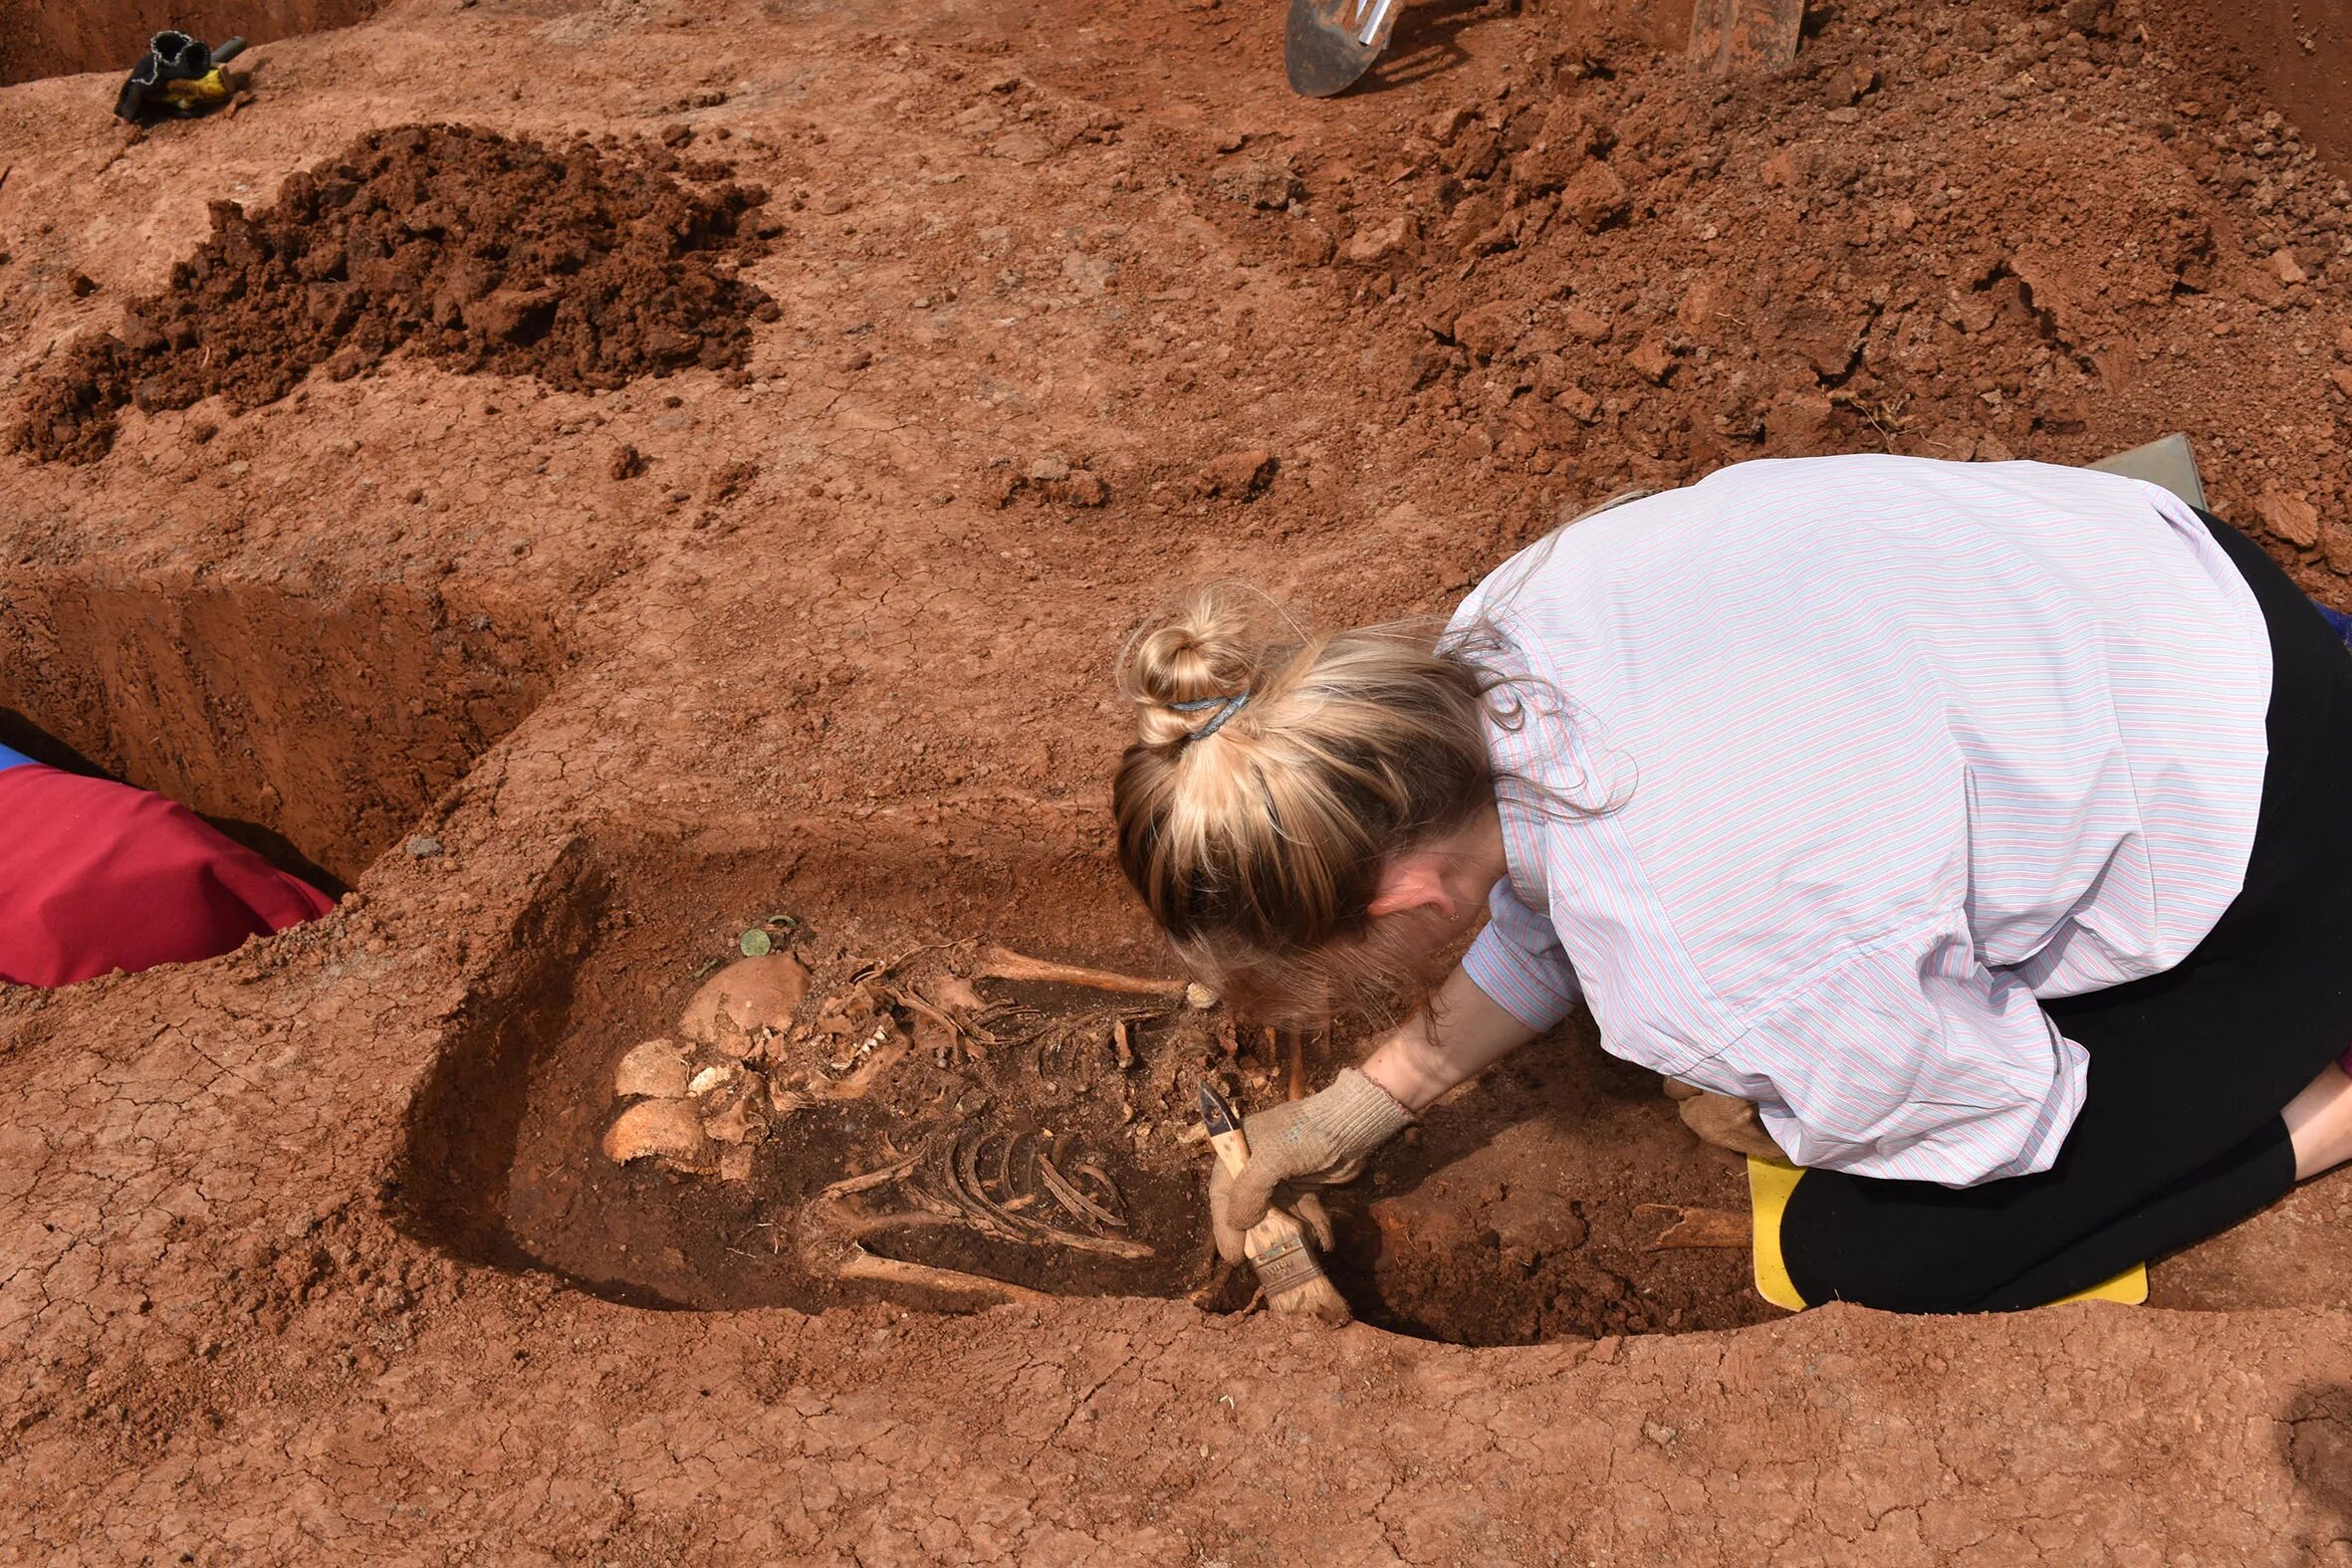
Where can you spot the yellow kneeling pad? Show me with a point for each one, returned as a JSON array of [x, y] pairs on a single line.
[[1770, 1182]]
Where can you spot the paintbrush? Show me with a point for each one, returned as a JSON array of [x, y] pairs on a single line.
[[1288, 1269]]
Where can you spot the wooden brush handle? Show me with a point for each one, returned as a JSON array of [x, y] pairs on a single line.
[[1277, 1244]]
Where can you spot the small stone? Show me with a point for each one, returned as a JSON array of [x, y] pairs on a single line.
[[1378, 241], [1596, 198], [1444, 125], [1021, 147], [2292, 517], [1310, 243], [81, 284], [1264, 185], [1653, 359], [1487, 331], [2342, 375], [423, 847], [1585, 325], [2285, 268], [1198, 996], [513, 315], [1697, 308], [1048, 470], [2335, 546], [1087, 490], [854, 358], [1578, 404], [1238, 475]]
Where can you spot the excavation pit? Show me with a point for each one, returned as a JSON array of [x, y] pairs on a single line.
[[314, 727], [107, 35], [1520, 1212]]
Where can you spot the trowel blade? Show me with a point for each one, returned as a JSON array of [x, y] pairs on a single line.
[[2167, 461], [1328, 44]]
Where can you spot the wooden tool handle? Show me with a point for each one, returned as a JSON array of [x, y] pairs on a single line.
[[1277, 1245], [1276, 1237]]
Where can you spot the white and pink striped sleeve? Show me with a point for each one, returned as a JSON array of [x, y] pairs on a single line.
[[1516, 960]]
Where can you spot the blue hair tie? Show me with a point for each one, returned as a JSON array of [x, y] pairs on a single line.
[[1226, 708]]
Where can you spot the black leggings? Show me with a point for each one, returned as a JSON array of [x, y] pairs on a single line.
[[2180, 1134]]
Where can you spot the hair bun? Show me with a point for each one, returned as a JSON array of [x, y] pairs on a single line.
[[1210, 649]]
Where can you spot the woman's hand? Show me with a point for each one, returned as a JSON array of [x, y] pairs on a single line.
[[1319, 1141], [1324, 1139]]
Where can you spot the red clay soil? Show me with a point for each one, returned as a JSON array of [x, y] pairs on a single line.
[[310, 1253]]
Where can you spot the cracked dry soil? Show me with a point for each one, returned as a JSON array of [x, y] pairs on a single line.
[[802, 620]]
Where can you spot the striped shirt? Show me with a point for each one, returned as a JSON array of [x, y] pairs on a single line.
[[1883, 751]]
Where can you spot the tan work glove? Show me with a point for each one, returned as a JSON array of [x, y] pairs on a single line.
[[1722, 1121], [1319, 1141]]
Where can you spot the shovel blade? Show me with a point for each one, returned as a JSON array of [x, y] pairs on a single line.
[[1327, 45]]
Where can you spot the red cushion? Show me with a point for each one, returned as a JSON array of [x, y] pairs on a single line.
[[98, 876]]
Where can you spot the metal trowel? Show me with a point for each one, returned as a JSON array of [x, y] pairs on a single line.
[[2166, 461], [1328, 44]]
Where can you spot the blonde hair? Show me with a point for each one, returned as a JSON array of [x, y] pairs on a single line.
[[1274, 774]]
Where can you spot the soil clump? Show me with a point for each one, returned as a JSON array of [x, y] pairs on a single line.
[[587, 266]]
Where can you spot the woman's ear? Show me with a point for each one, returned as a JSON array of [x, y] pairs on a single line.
[[1412, 881]]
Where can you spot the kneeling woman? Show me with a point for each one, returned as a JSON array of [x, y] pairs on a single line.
[[1987, 826]]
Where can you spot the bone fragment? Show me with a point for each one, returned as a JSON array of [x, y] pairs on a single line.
[[664, 1130], [955, 992], [1005, 963], [1696, 1228], [976, 1290], [712, 1079], [738, 1121], [656, 1070]]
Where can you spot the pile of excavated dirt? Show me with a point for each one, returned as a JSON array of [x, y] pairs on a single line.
[[584, 265], [576, 675]]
